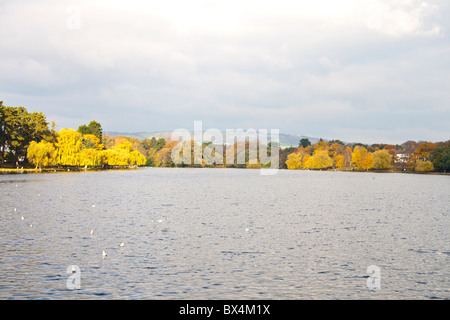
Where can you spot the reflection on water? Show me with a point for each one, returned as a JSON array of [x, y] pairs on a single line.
[[224, 234]]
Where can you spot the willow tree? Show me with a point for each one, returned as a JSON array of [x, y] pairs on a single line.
[[42, 154], [69, 143], [382, 159], [137, 158]]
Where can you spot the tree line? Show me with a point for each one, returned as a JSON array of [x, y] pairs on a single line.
[[417, 156], [27, 138]]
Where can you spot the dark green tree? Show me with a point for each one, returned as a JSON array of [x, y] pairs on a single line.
[[93, 127], [440, 157], [304, 143], [18, 128]]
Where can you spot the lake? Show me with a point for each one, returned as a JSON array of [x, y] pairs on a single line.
[[224, 234]]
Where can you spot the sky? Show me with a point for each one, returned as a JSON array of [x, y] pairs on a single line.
[[371, 71]]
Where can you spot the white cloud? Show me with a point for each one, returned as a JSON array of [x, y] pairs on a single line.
[[285, 63], [402, 17]]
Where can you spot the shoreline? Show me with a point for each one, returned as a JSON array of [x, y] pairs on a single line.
[[83, 169], [59, 170]]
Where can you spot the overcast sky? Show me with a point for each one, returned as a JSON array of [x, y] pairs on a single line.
[[356, 70]]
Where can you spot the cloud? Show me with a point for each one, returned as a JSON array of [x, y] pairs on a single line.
[[397, 18], [304, 66]]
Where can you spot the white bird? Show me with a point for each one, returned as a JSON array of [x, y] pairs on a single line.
[[122, 245], [93, 206], [15, 209], [22, 218], [247, 229], [103, 254], [92, 232]]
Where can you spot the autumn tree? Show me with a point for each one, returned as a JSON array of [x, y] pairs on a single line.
[[91, 141], [42, 154], [361, 158], [137, 158], [340, 154], [284, 153], [422, 152], [90, 157], [382, 159], [320, 160], [320, 146], [163, 157], [424, 166], [339, 161], [183, 154], [69, 144], [294, 161]]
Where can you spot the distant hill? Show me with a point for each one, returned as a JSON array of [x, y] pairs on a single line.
[[286, 140]]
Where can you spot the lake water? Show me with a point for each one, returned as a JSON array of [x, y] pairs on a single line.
[[224, 234]]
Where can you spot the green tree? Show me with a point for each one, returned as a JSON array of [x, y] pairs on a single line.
[[304, 143], [441, 157], [18, 128], [93, 127]]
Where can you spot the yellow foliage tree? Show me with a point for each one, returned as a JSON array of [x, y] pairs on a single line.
[[69, 145], [382, 159], [137, 158], [321, 146], [294, 161], [367, 162], [42, 154], [361, 158], [340, 161], [424, 166], [305, 160], [320, 160], [91, 141], [121, 157], [90, 157], [116, 157], [126, 145]]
